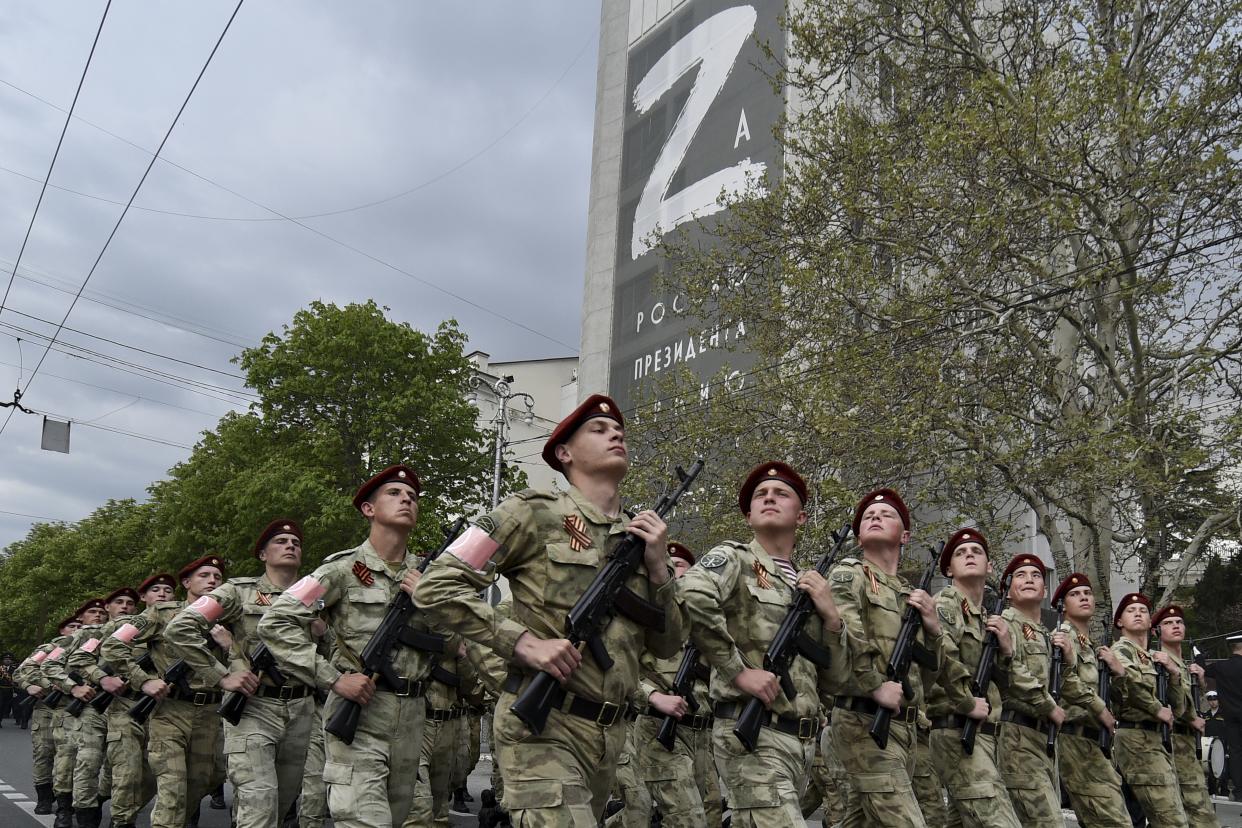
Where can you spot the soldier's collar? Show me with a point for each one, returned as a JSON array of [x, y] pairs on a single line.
[[377, 564], [594, 513], [765, 559]]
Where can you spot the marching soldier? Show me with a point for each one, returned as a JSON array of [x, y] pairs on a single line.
[[7, 687], [872, 597], [133, 783], [735, 598], [184, 731], [89, 791], [265, 752], [29, 675], [1138, 752], [1093, 783], [371, 781], [682, 781], [1170, 625], [550, 545], [977, 794], [1030, 774]]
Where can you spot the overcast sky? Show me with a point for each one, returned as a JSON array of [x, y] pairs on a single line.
[[470, 122]]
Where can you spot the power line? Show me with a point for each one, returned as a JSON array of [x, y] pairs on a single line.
[[125, 212], [142, 397], [56, 154]]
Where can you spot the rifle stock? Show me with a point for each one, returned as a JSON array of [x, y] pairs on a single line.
[[1104, 683], [262, 663], [1162, 694], [174, 676], [987, 664], [1055, 668], [683, 685]]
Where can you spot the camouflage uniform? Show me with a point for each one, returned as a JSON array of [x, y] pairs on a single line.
[[491, 671], [821, 791], [1144, 765], [551, 544], [64, 726], [92, 777], [133, 782], [265, 752], [42, 746], [682, 781], [736, 597], [631, 789], [370, 782], [313, 804], [1093, 783], [872, 602], [977, 795], [443, 735], [926, 783], [1190, 778], [184, 731], [1029, 773]]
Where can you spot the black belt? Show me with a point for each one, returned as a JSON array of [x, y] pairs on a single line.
[[803, 728], [1014, 717], [866, 706], [407, 687], [604, 714], [701, 721], [286, 693], [198, 698], [1150, 727], [1092, 733], [434, 715], [957, 721]]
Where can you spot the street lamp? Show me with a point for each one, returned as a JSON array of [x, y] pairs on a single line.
[[504, 392]]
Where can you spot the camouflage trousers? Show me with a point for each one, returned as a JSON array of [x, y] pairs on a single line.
[[1150, 773], [682, 782], [65, 735], [468, 752], [823, 789], [133, 783], [881, 791], [371, 782], [1030, 776], [92, 775], [977, 795], [926, 782], [313, 804], [1193, 784], [1093, 783], [765, 785], [561, 777], [630, 787], [265, 753], [436, 766], [42, 745], [183, 742]]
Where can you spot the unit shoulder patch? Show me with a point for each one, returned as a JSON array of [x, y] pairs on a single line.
[[713, 560], [945, 615]]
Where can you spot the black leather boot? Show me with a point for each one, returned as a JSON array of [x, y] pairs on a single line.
[[86, 817], [64, 811], [46, 801]]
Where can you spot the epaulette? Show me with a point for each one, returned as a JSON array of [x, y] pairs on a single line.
[[732, 544], [164, 605], [244, 580], [538, 494], [850, 561], [338, 555]]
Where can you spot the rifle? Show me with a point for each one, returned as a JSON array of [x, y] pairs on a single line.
[[987, 664], [1054, 682], [789, 642], [263, 663], [906, 650], [683, 685], [594, 609], [375, 659], [53, 698], [1162, 695], [176, 674], [76, 706], [103, 698], [1104, 683], [1198, 658]]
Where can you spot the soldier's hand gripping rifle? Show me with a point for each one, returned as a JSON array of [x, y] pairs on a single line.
[[103, 698], [1198, 658], [376, 657], [1104, 685], [262, 663], [905, 651], [1055, 670], [987, 665], [1162, 695], [594, 610], [788, 643], [75, 707], [683, 685], [175, 676]]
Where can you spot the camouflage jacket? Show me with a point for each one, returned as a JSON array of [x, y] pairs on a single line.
[[148, 627], [551, 545], [1180, 699], [1025, 688], [53, 671], [964, 626], [87, 658], [30, 671], [1080, 680], [1136, 699], [735, 598], [358, 586], [658, 675]]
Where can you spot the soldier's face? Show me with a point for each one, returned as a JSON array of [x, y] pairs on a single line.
[[1173, 630], [597, 447], [1080, 602], [157, 594], [95, 615], [1027, 585], [969, 560], [121, 605], [71, 628], [282, 550], [680, 567], [202, 581], [775, 505], [393, 504], [1136, 618], [881, 524]]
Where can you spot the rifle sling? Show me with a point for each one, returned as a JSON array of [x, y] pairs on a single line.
[[702, 672], [925, 657], [428, 642], [445, 677], [640, 610], [812, 651]]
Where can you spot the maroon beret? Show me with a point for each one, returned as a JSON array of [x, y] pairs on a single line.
[[91, 603], [958, 538], [73, 619], [1075, 580], [1131, 598], [193, 566], [1022, 560], [1170, 611], [122, 592], [881, 496], [400, 473], [680, 550], [596, 405], [157, 578], [774, 470], [280, 526]]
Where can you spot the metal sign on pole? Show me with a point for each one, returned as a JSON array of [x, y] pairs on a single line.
[[55, 436]]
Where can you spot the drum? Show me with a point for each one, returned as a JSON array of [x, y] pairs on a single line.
[[1218, 761]]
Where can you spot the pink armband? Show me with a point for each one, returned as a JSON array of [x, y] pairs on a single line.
[[55, 655], [474, 548], [208, 607], [91, 645], [38, 657], [126, 633], [308, 591]]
